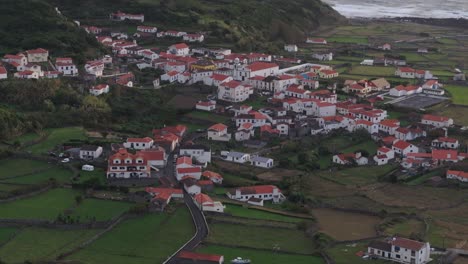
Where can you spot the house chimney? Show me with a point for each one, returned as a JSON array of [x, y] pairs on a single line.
[[445, 132], [238, 193]]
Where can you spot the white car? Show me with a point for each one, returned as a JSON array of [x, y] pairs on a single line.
[[65, 160]]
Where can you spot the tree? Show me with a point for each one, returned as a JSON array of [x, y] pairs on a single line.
[[78, 199], [303, 158]]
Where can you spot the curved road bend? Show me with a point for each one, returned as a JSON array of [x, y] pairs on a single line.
[[200, 226]]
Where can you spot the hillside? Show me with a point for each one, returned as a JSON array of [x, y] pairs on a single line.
[[29, 24], [247, 23]]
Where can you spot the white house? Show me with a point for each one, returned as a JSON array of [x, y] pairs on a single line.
[[156, 157], [121, 16], [323, 56], [37, 55], [234, 91], [218, 132], [381, 160], [90, 152], [401, 90], [185, 167], [406, 72], [206, 105], [262, 162], [66, 66], [95, 68], [316, 41], [199, 153], [237, 157], [194, 37], [290, 48], [213, 176], [216, 79], [457, 175], [27, 75], [386, 151], [139, 143], [349, 158], [124, 164], [170, 77], [264, 192], [206, 204], [401, 250], [180, 49], [389, 126], [445, 142], [437, 121], [403, 148], [147, 29], [99, 89]]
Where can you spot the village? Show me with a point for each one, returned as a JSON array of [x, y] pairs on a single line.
[[267, 123]]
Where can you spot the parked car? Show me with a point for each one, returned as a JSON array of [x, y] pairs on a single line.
[[65, 160]]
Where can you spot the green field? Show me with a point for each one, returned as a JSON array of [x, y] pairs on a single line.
[[406, 228], [38, 244], [56, 137], [358, 175], [372, 71], [233, 180], [100, 210], [148, 239], [15, 167], [368, 146], [241, 211], [45, 206], [88, 175], [60, 174], [207, 116], [260, 256], [356, 40], [25, 138], [459, 94], [289, 240], [6, 233]]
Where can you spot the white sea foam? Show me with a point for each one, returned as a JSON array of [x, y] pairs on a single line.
[[401, 8]]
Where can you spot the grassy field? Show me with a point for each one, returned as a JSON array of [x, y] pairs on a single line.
[[37, 244], [87, 175], [100, 210], [240, 211], [60, 174], [261, 237], [356, 226], [459, 94], [406, 228], [373, 71], [356, 40], [368, 146], [45, 206], [56, 137], [358, 175], [207, 116], [6, 233], [259, 256], [15, 167], [233, 180], [148, 239]]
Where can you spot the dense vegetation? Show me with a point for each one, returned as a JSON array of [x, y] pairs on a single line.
[[247, 23], [53, 103], [29, 24]]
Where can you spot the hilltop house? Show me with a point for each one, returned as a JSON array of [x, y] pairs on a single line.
[[37, 55], [99, 89], [261, 162], [66, 66], [349, 158], [402, 147], [180, 49], [95, 68], [401, 250], [124, 164], [290, 48], [437, 121], [121, 16]]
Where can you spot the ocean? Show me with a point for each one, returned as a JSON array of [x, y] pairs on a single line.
[[401, 8]]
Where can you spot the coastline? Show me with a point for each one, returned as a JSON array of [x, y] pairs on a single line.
[[447, 22]]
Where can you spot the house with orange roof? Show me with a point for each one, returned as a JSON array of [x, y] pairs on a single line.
[[206, 204], [402, 90], [37, 55], [400, 250], [405, 72], [216, 79], [437, 121], [208, 106], [446, 143], [170, 77], [185, 167], [194, 37], [163, 196], [457, 175], [257, 68], [263, 192], [244, 132], [3, 73], [218, 132], [95, 67], [234, 91], [328, 74], [350, 158], [404, 133], [124, 164], [403, 148], [389, 126], [139, 143], [15, 60], [180, 49], [213, 176], [121, 16]]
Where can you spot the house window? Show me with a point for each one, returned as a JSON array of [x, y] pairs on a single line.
[[397, 256]]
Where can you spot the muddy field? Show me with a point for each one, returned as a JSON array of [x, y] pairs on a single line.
[[345, 226]]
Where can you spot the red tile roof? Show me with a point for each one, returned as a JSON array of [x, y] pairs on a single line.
[[231, 84], [3, 70], [435, 118], [407, 243], [202, 198], [258, 66], [200, 256], [219, 77], [211, 174], [184, 160], [461, 174], [180, 46], [36, 51], [218, 127], [445, 154], [188, 170], [400, 144]]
